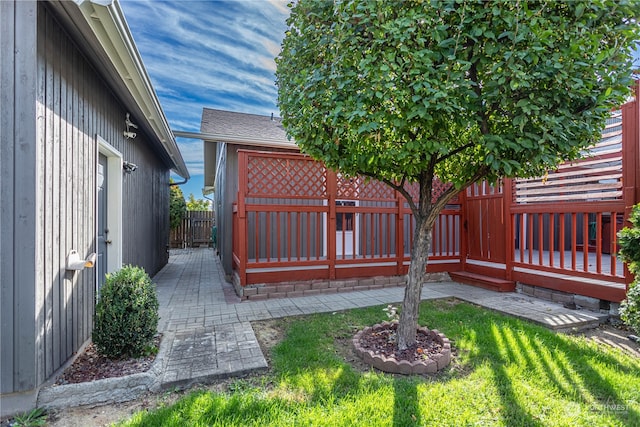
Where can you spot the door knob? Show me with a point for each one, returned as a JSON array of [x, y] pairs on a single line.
[[107, 242]]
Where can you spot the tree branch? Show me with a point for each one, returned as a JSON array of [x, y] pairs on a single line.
[[398, 187], [454, 152], [473, 75], [451, 192], [412, 203]]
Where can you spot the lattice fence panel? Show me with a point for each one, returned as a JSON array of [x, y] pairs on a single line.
[[363, 189], [269, 176], [377, 190], [439, 187], [414, 190], [274, 177], [348, 188]]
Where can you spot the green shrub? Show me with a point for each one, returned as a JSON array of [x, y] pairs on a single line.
[[629, 240], [126, 314], [630, 307], [177, 206]]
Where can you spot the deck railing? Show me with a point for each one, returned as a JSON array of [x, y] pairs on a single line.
[[575, 243], [564, 225]]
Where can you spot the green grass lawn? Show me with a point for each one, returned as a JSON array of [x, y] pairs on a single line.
[[506, 372]]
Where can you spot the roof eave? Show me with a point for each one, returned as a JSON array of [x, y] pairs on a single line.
[[108, 25], [243, 140]]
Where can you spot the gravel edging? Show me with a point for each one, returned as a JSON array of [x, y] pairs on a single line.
[[108, 390]]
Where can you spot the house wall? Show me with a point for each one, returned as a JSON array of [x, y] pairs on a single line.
[[61, 104], [18, 232], [224, 207]]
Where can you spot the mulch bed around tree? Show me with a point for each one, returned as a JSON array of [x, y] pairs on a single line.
[[384, 342]]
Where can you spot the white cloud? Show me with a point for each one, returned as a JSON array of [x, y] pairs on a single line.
[[280, 5], [193, 155], [217, 54], [196, 170], [192, 150], [209, 54]]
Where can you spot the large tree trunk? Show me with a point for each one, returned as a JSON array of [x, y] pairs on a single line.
[[417, 274]]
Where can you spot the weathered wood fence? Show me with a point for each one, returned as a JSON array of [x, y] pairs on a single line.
[[195, 230]]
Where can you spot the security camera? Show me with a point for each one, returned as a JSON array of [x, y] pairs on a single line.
[[130, 135]]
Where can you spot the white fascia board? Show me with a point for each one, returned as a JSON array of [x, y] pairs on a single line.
[[240, 140], [107, 21]]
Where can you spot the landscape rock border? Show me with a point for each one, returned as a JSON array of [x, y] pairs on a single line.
[[107, 390], [391, 365]]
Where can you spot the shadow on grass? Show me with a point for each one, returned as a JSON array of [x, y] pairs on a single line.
[[562, 365], [515, 350], [406, 406]]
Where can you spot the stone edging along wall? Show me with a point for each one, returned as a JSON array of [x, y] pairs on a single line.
[[108, 390]]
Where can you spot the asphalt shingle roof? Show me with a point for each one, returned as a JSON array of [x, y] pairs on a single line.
[[221, 122]]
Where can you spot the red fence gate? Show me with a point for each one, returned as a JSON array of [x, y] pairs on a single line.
[[486, 224]]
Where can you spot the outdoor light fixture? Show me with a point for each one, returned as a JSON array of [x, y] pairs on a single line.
[[129, 167], [129, 133], [74, 262]]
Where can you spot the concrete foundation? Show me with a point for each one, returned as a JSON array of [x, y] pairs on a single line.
[[580, 301]]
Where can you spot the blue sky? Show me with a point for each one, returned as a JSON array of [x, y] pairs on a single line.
[[216, 54]]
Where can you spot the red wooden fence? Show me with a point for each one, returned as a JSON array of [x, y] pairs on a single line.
[[296, 220]]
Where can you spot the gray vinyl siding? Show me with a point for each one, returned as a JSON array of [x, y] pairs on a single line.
[[60, 104], [145, 208], [226, 195], [17, 206]]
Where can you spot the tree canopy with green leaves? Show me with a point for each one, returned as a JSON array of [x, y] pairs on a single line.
[[408, 91], [194, 204]]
